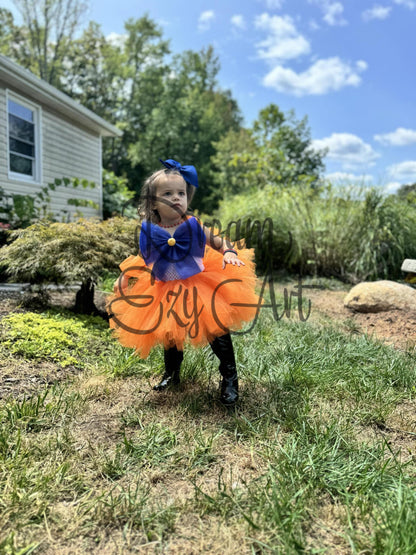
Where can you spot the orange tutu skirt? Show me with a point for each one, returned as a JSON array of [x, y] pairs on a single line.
[[145, 312]]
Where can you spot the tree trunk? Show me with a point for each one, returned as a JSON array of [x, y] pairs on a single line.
[[84, 300]]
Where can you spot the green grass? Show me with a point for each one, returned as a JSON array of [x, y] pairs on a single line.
[[309, 462]]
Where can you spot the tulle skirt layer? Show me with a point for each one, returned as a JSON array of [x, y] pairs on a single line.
[[145, 312]]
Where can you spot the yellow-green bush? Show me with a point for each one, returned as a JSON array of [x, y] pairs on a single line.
[[67, 341]]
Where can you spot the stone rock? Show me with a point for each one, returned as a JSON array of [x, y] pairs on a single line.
[[409, 265], [380, 296]]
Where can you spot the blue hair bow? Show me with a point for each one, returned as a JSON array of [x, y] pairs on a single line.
[[187, 172]]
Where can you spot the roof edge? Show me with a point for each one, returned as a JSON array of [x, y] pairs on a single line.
[[26, 80]]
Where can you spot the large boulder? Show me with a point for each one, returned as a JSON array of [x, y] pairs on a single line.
[[379, 296]]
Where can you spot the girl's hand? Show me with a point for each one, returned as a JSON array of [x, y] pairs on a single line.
[[231, 258]]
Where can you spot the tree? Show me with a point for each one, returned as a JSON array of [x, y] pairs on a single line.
[[117, 197], [13, 39], [191, 113], [236, 163], [285, 134], [407, 192], [120, 79], [48, 27], [94, 73], [276, 150], [165, 108], [69, 252], [146, 67]]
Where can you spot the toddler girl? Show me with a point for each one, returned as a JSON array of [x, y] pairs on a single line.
[[187, 286]]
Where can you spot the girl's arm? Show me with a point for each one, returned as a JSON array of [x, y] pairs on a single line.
[[230, 255]]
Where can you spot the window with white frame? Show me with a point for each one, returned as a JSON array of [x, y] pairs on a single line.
[[23, 120]]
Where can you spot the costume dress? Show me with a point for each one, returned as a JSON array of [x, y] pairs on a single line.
[[177, 292]]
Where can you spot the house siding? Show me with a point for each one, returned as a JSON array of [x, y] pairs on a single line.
[[67, 150], [3, 140]]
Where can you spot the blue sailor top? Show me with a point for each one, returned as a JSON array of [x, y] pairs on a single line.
[[173, 257]]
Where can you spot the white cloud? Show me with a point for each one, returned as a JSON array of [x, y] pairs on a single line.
[[400, 137], [361, 65], [404, 170], [116, 39], [238, 22], [332, 11], [283, 41], [333, 14], [411, 4], [313, 25], [348, 149], [205, 20], [344, 177], [392, 187], [331, 74], [376, 12]]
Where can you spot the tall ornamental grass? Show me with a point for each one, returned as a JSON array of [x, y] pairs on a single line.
[[350, 233]]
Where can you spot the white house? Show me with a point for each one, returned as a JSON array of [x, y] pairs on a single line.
[[44, 135]]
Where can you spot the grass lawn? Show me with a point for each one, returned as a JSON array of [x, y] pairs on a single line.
[[318, 456]]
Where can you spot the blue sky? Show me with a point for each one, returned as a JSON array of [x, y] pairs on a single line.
[[347, 65]]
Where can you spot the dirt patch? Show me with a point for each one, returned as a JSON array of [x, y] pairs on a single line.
[[9, 302], [100, 423], [327, 528], [395, 327], [19, 378]]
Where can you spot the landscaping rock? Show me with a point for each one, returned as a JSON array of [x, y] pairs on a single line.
[[380, 296], [409, 265]]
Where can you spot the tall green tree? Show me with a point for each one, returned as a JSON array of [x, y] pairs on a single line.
[[407, 193], [191, 114], [277, 150], [121, 80], [166, 107], [48, 27], [286, 135], [13, 39], [147, 67], [94, 73]]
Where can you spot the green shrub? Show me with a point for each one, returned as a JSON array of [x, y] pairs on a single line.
[[351, 234], [69, 252], [117, 197], [67, 341]]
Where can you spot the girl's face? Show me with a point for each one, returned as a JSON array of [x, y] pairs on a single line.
[[171, 198]]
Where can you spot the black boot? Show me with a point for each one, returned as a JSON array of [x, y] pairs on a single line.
[[223, 348], [173, 361]]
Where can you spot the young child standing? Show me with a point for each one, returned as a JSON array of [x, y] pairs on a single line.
[[187, 286]]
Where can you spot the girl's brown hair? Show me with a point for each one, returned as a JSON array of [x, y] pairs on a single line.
[[148, 195]]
